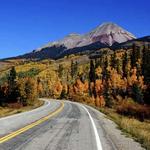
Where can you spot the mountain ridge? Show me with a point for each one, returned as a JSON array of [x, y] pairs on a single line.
[[104, 35]]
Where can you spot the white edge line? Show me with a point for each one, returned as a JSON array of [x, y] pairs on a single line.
[[98, 142]]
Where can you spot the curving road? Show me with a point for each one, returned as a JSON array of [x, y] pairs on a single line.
[[62, 125]]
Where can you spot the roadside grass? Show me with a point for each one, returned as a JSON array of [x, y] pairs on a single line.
[[7, 111], [139, 131]]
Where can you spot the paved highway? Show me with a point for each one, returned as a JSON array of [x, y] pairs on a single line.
[[62, 125]]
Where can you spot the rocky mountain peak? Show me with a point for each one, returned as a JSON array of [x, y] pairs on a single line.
[[109, 33]]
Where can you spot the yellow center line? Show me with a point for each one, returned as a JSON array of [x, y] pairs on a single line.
[[22, 130]]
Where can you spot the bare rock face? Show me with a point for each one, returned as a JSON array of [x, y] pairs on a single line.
[[108, 33], [70, 41]]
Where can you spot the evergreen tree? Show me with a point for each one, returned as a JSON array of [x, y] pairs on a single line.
[[146, 65], [125, 65], [147, 95], [138, 61], [92, 72], [12, 88], [114, 61], [98, 62], [119, 66], [92, 78], [106, 72], [74, 69], [63, 94], [2, 94], [138, 67], [133, 56], [136, 57], [144, 61], [137, 93], [60, 70], [106, 77], [107, 95], [12, 78]]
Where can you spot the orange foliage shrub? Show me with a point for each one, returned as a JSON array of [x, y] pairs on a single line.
[[15, 105], [99, 101], [92, 101], [99, 87], [116, 80], [132, 109], [86, 86], [40, 89], [80, 87], [102, 101], [57, 89], [133, 78]]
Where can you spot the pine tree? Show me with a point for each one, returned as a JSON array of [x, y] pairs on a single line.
[[12, 88], [133, 56], [98, 62], [92, 72], [125, 67], [74, 69], [107, 95], [138, 61], [92, 78], [144, 61], [146, 65], [114, 60], [12, 79], [60, 71], [137, 93], [107, 90], [136, 57], [106, 72], [119, 66], [63, 94]]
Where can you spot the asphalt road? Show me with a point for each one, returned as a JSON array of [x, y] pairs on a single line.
[[62, 125]]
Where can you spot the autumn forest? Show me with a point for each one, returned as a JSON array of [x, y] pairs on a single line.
[[119, 79]]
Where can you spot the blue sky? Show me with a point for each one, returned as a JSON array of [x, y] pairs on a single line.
[[28, 24]]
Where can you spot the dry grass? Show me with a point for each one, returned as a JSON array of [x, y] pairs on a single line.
[[28, 66], [140, 131], [6, 111]]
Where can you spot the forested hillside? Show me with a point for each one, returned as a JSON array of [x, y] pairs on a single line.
[[104, 78]]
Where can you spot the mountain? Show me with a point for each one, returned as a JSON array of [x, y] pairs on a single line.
[[109, 33], [104, 35]]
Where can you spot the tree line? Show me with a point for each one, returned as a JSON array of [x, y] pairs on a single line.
[[18, 90]]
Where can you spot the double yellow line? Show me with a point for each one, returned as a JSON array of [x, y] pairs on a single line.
[[22, 130]]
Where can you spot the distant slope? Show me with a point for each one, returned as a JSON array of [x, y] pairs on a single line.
[[47, 52], [140, 41]]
